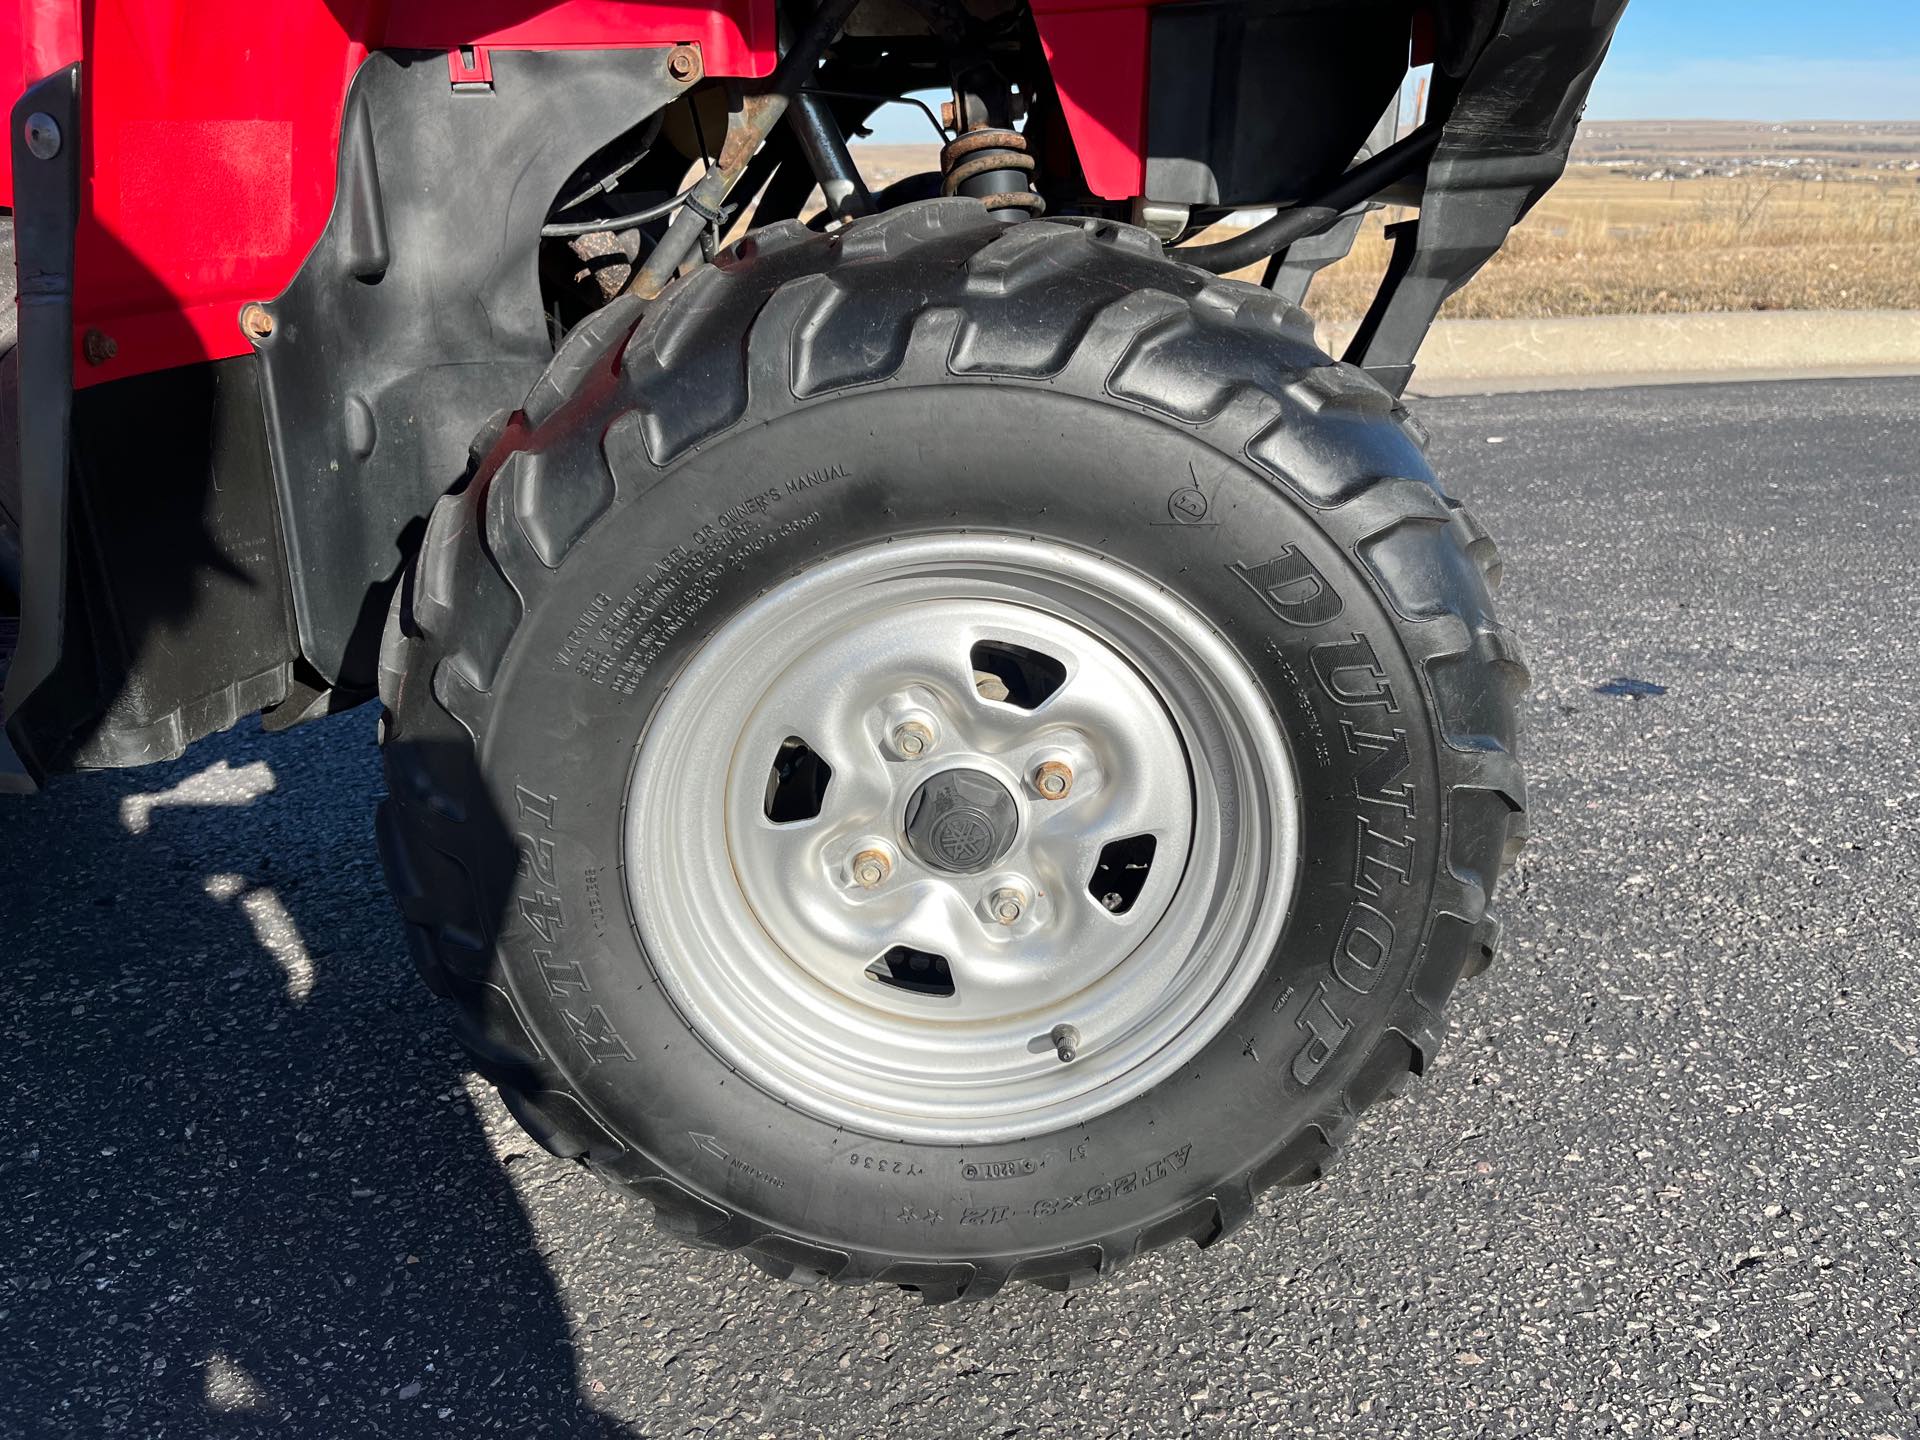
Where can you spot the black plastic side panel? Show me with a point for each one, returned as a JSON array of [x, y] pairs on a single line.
[[418, 314], [1252, 104]]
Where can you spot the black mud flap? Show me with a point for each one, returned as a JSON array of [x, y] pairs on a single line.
[[1506, 142]]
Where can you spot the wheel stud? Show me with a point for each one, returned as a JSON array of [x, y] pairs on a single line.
[[871, 869], [913, 739], [1007, 905], [1066, 1043], [1053, 780]]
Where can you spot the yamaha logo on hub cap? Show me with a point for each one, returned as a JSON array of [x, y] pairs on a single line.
[[961, 821]]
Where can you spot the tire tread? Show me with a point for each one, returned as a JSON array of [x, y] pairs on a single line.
[[1044, 302]]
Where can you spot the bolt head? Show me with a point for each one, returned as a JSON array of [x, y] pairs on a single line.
[[43, 135], [871, 869], [257, 321], [1007, 905], [683, 63], [1053, 780], [913, 739]]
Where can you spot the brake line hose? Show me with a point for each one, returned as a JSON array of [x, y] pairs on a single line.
[[1297, 222]]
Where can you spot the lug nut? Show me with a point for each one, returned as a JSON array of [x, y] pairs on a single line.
[[1007, 905], [1053, 780], [913, 739], [871, 869], [1066, 1042]]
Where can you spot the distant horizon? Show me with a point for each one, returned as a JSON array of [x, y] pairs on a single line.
[[900, 127], [909, 135]]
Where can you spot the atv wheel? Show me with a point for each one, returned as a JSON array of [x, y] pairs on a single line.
[[951, 753]]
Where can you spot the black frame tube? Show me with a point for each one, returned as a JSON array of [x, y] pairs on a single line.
[[747, 129], [811, 119]]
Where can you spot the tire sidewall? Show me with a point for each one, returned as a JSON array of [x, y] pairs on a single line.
[[598, 649]]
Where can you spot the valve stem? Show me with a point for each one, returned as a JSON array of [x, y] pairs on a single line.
[[1066, 1043]]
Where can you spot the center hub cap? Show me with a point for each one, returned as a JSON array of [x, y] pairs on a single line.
[[961, 821]]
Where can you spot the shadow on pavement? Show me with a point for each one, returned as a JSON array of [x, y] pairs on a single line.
[[241, 1187]]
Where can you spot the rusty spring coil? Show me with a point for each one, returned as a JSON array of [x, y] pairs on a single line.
[[985, 152]]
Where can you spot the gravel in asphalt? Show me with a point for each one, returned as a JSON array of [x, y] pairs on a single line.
[[1664, 1179]]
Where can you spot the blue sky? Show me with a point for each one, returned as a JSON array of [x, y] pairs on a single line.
[[1763, 60]]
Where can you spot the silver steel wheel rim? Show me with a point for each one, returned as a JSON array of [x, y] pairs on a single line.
[[765, 937]]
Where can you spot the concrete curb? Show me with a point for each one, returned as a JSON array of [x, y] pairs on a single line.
[[1580, 352]]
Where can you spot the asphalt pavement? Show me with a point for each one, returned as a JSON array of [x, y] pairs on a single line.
[[1664, 1179]]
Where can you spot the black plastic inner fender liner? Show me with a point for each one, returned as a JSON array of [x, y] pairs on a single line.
[[418, 315]]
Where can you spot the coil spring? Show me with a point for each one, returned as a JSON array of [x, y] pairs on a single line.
[[977, 163]]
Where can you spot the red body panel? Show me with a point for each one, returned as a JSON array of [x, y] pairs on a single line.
[[212, 128], [212, 131], [37, 37], [1097, 51]]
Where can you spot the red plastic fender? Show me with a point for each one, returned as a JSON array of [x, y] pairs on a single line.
[[211, 135]]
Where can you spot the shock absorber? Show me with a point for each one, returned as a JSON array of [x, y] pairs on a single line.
[[988, 160]]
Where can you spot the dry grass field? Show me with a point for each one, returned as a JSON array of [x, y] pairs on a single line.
[[1738, 221], [1606, 243]]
